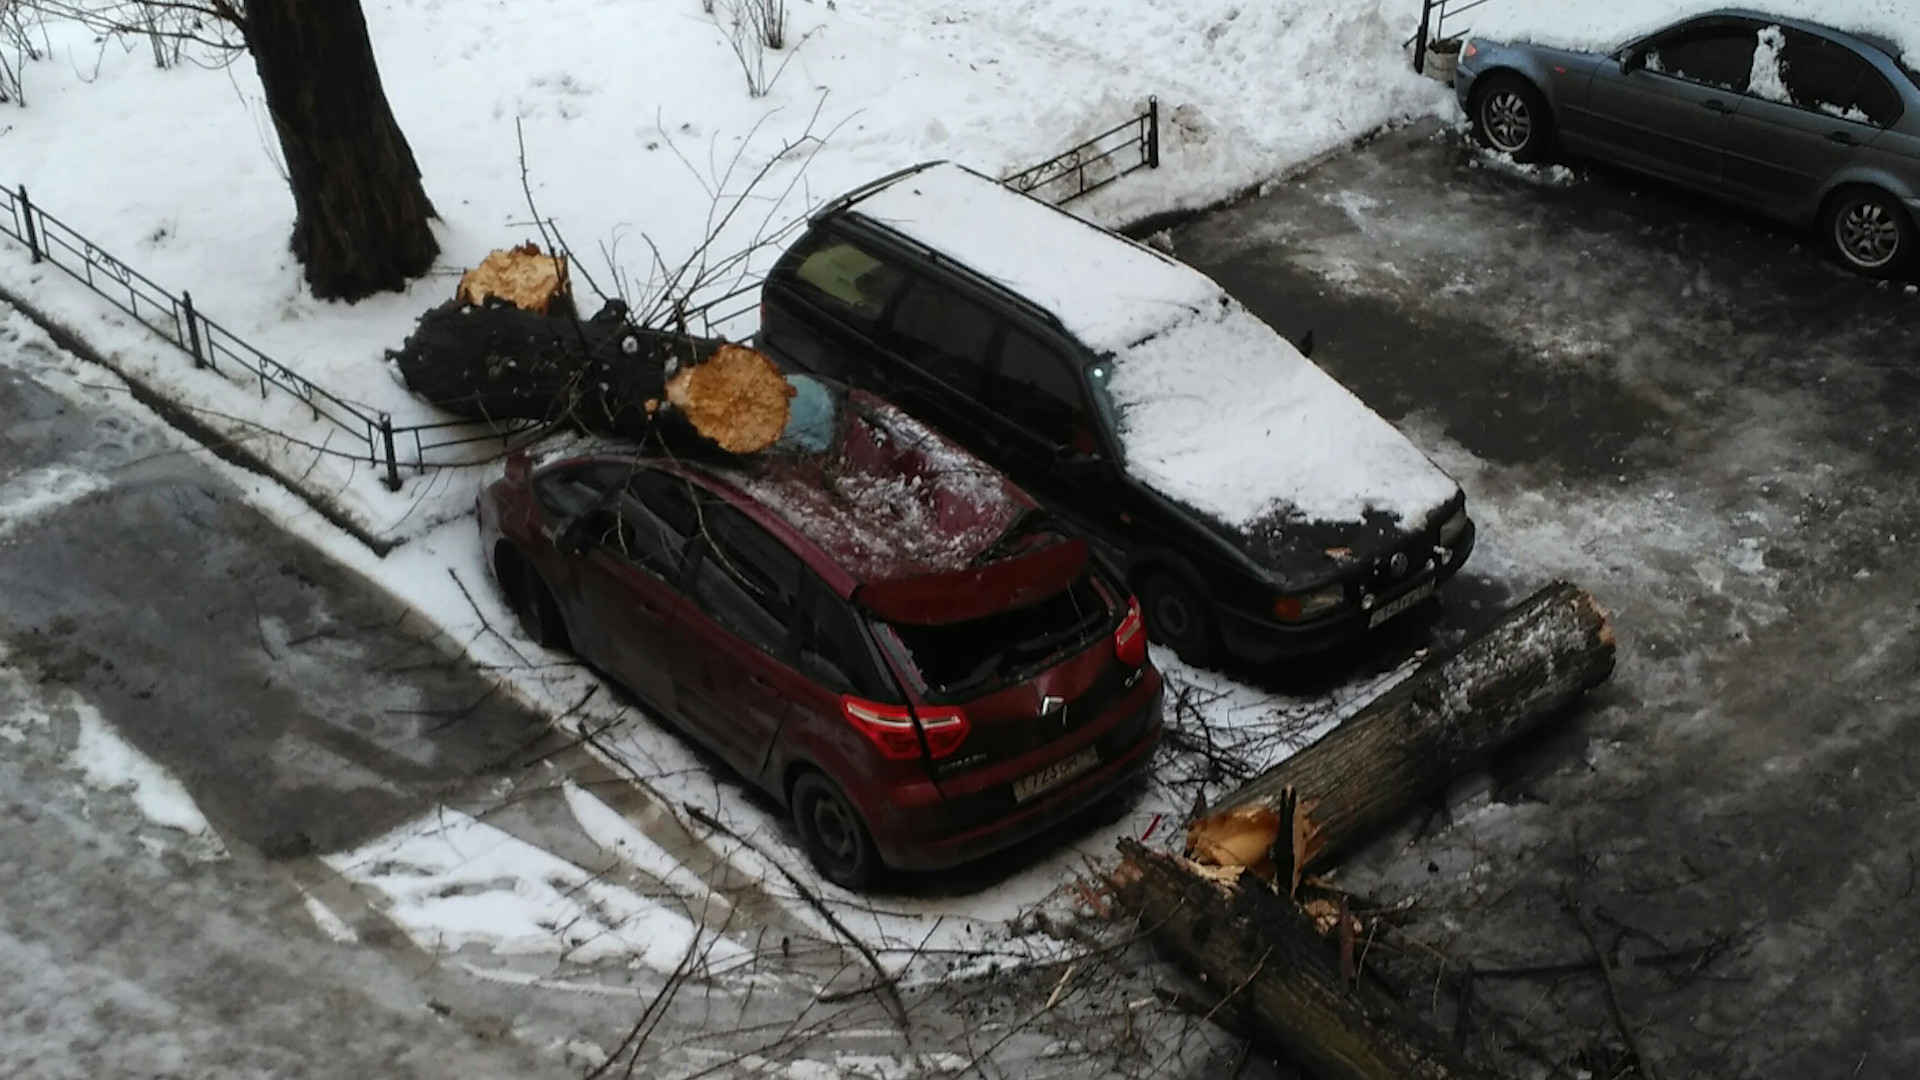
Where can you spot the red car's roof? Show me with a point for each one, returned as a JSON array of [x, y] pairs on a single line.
[[887, 498]]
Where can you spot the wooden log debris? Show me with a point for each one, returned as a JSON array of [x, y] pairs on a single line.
[[1292, 969], [509, 347], [1269, 964], [1406, 746]]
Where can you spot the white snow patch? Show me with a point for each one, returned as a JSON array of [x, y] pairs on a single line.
[[1769, 77], [1553, 176], [111, 764], [613, 832], [452, 880], [330, 924], [1109, 291], [33, 494]]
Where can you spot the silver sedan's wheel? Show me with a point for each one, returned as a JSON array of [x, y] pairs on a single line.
[[1869, 231], [1511, 118], [1509, 124]]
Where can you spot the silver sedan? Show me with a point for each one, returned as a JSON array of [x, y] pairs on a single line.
[[1815, 126]]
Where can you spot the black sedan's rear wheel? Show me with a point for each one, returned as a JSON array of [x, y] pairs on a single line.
[[831, 830], [1870, 231], [533, 603], [1511, 117], [1180, 616]]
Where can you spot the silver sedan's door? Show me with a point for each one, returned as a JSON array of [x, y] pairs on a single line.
[[1667, 108], [1796, 129]]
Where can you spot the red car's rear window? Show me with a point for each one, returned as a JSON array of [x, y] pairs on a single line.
[[983, 654]]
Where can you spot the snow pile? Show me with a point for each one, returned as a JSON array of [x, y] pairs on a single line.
[[1223, 414], [1769, 78], [40, 491]]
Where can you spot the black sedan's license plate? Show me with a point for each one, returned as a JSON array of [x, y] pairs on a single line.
[[1399, 604], [1055, 774]]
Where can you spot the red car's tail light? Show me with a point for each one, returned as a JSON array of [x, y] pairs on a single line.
[[891, 728], [945, 729], [1130, 637]]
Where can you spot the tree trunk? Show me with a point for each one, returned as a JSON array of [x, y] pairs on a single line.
[[1270, 962], [1406, 746], [602, 375], [360, 213], [1267, 963]]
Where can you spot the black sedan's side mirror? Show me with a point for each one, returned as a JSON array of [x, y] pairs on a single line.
[[1632, 58]]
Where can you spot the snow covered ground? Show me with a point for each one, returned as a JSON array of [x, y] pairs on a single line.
[[636, 120]]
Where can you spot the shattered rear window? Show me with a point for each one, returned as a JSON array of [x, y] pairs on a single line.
[[1001, 649]]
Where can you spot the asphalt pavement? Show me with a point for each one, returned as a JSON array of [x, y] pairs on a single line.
[[1696, 416]]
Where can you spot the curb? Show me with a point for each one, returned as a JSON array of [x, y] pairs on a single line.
[[183, 420]]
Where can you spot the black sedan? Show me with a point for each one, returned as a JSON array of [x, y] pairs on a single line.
[[1812, 125]]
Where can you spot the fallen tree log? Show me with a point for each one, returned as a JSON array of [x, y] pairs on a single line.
[[1406, 746], [1297, 976], [509, 347], [1269, 964]]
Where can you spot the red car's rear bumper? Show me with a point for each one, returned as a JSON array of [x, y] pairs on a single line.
[[924, 836]]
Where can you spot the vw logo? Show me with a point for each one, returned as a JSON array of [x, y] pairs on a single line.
[[1398, 564], [1050, 705]]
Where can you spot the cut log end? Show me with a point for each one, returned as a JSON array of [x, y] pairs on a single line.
[[521, 276], [737, 398]]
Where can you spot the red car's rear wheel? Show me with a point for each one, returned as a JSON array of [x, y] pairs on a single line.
[[835, 837]]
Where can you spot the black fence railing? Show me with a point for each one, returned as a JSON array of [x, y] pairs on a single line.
[[1126, 147], [1433, 25], [371, 435]]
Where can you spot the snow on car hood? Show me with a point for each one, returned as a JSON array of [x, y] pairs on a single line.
[[1220, 413]]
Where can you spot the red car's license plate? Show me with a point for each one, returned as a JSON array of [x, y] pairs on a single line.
[[1057, 773]]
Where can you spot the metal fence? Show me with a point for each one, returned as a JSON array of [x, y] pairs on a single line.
[[371, 434], [1097, 162], [1433, 25]]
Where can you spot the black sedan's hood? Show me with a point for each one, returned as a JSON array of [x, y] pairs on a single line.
[[1301, 554]]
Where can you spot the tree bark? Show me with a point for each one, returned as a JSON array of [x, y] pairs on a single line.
[[1407, 745], [1267, 962], [360, 213]]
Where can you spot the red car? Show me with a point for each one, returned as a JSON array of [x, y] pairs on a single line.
[[867, 622]]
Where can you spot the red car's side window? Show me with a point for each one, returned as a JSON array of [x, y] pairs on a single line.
[[835, 649], [746, 581]]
